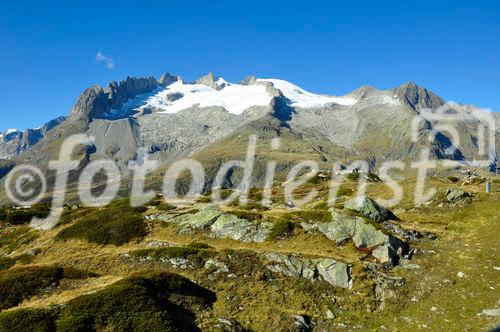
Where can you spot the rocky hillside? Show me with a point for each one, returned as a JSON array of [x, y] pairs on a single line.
[[195, 266]]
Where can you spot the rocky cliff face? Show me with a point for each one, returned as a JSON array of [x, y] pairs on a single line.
[[99, 103]]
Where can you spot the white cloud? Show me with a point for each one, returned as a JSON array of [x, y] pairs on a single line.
[[106, 60]]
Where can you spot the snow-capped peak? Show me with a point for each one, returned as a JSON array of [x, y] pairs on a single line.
[[302, 98], [234, 98]]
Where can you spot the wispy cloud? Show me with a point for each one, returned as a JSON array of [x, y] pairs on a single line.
[[106, 60]]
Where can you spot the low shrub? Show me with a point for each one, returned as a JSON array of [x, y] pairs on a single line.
[[70, 215], [24, 216], [39, 320], [165, 207], [248, 215], [372, 177], [352, 176], [453, 179], [281, 228], [3, 214], [116, 224], [6, 263], [250, 205], [152, 302], [308, 216], [22, 283]]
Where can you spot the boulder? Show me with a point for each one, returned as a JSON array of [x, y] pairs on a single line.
[[202, 219], [370, 209], [367, 236], [336, 273], [453, 195], [391, 251], [232, 227], [341, 229], [364, 234]]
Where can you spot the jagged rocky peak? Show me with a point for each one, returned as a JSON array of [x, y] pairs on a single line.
[[92, 103], [167, 79], [96, 102], [211, 81], [208, 79], [119, 93], [418, 97], [250, 80]]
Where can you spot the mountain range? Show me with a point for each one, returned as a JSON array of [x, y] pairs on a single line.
[[210, 120]]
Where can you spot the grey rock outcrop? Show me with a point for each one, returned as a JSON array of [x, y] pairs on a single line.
[[382, 245], [222, 225], [210, 81], [453, 195], [369, 208], [336, 273], [231, 227]]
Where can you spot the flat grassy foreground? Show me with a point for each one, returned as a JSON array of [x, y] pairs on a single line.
[[111, 269]]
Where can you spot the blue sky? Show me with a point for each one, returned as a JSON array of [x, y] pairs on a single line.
[[48, 50]]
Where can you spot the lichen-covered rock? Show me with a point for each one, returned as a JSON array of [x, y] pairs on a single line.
[[369, 208], [203, 219], [453, 195], [336, 273], [367, 236], [384, 246], [341, 229], [231, 227]]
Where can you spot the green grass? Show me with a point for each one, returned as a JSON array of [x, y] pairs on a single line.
[[116, 224], [72, 273], [199, 245], [172, 252], [345, 191]]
